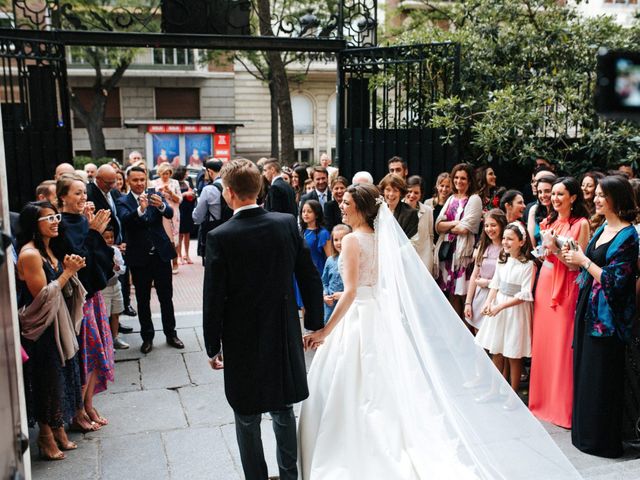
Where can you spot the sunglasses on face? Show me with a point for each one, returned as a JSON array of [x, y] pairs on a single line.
[[51, 218]]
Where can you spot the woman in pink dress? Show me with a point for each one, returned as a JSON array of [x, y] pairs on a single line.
[[551, 381]]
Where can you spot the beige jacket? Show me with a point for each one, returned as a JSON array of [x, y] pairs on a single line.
[[49, 307]]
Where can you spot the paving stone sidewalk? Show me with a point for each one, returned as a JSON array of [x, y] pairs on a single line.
[[169, 418]]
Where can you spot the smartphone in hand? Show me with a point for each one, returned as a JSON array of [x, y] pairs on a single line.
[[151, 191]]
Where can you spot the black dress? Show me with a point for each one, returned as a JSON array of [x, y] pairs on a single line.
[[53, 391], [186, 209], [598, 379]]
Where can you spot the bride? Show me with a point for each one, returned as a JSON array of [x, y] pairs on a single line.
[[395, 375]]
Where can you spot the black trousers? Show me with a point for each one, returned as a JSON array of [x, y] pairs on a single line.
[[125, 282], [250, 444], [159, 274]]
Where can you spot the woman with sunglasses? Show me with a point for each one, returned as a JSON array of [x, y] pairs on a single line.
[[52, 381]]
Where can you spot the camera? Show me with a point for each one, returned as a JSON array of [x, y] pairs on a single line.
[[617, 93], [561, 241]]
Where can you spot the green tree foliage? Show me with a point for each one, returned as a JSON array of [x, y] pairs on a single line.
[[527, 76], [105, 15]]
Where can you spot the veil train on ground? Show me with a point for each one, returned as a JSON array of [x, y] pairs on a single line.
[[493, 442]]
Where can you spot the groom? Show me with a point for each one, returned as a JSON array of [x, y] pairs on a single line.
[[250, 310]]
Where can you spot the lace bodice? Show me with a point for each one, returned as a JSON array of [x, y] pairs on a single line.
[[368, 262]]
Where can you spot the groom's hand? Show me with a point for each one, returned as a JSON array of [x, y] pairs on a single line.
[[217, 362]]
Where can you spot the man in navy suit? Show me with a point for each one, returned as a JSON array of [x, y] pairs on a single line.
[[149, 255], [250, 309], [321, 192], [281, 196]]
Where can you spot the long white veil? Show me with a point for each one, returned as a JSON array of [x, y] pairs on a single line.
[[492, 442]]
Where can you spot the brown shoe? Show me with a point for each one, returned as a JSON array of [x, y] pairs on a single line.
[[175, 342], [146, 347]]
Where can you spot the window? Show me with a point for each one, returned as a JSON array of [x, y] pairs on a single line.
[[302, 114], [173, 56], [331, 114], [78, 56], [112, 115], [304, 155], [177, 103]]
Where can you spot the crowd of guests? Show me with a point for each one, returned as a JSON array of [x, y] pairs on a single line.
[[547, 287]]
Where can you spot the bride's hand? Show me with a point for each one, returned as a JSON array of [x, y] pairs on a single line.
[[315, 339]]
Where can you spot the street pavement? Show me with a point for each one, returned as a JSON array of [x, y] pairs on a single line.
[[169, 418]]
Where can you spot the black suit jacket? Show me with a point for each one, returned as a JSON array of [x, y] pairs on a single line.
[[94, 194], [144, 232], [332, 215], [407, 217], [250, 308], [281, 197], [313, 195]]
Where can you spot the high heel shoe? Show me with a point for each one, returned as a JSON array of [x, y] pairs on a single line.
[[47, 448], [62, 440], [96, 417]]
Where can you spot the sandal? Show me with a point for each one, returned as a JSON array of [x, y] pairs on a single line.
[[84, 425], [48, 449], [62, 440], [96, 417], [188, 260]]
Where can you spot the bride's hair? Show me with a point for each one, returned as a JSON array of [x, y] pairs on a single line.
[[365, 197]]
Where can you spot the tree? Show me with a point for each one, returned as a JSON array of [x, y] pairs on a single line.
[[283, 17], [103, 15], [527, 81]]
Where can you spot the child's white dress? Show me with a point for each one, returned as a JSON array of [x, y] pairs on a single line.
[[509, 332]]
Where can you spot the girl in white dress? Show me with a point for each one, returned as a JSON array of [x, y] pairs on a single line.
[[506, 329]]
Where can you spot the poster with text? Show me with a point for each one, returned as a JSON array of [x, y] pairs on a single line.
[[165, 148], [222, 146], [198, 148]]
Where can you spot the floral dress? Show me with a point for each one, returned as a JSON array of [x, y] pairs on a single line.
[[455, 282]]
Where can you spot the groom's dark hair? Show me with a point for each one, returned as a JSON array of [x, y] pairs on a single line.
[[243, 177]]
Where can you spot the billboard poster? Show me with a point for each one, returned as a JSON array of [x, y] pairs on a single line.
[[222, 146], [165, 148], [197, 148]]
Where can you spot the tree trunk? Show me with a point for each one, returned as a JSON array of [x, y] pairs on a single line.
[[275, 141], [280, 86]]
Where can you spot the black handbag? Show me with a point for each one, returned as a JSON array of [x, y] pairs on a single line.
[[446, 251]]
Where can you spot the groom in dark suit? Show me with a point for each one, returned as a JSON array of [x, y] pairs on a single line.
[[250, 310]]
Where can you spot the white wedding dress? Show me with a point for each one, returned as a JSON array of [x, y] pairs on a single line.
[[387, 399]]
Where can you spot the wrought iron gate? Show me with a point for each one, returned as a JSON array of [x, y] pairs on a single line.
[[384, 100], [35, 114]]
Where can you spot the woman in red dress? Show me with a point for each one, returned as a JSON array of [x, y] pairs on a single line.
[[551, 381]]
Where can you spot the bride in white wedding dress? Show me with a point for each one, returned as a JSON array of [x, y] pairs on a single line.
[[387, 383]]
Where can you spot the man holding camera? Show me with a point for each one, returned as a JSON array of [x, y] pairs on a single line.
[[149, 255]]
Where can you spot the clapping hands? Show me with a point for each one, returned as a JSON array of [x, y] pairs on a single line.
[[73, 263], [99, 220]]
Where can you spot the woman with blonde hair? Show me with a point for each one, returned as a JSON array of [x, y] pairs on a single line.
[[169, 188]]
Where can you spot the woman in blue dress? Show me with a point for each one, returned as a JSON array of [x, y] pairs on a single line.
[[315, 235]]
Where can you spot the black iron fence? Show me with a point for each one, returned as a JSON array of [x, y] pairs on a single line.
[[384, 108]]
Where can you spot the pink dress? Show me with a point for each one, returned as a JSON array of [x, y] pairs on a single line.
[[551, 380]]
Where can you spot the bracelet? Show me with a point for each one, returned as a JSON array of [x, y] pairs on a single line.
[[467, 303], [588, 265]]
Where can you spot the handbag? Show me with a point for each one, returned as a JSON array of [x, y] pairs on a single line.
[[446, 251]]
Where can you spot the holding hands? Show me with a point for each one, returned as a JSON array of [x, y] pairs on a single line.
[[491, 310], [315, 339]]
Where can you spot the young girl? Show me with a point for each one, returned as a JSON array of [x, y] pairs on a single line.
[[506, 328], [331, 279], [488, 250], [317, 237]]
